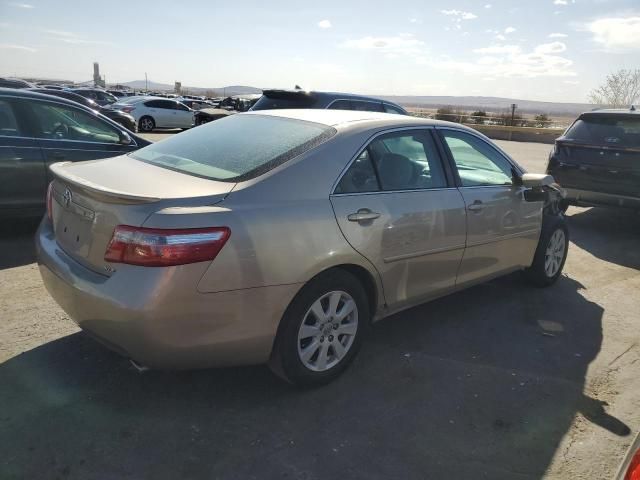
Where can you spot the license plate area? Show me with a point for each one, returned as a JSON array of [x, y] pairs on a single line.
[[72, 226]]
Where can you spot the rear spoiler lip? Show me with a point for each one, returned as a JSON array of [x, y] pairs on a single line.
[[65, 176], [570, 143]]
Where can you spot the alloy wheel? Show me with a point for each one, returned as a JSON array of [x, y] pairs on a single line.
[[554, 253], [327, 331]]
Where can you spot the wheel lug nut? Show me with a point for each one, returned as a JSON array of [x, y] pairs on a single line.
[[331, 338], [335, 326], [322, 339]]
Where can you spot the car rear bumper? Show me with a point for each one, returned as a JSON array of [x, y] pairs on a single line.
[[160, 321], [588, 198]]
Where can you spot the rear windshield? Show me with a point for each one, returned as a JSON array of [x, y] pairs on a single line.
[[283, 101], [606, 130], [235, 148]]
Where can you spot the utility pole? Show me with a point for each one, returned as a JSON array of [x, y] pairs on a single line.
[[146, 82], [513, 113]]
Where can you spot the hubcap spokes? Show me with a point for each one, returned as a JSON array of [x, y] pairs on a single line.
[[554, 253], [327, 331]]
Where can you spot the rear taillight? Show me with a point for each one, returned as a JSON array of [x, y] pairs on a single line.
[[50, 201], [633, 472], [157, 247]]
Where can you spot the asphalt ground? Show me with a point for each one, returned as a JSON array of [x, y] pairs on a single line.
[[502, 381]]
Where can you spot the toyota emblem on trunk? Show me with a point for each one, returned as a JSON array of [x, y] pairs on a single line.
[[66, 197]]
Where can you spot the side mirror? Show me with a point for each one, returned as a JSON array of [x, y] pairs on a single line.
[[537, 180], [125, 139]]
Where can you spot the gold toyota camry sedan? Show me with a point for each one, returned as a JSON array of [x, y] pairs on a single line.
[[279, 236]]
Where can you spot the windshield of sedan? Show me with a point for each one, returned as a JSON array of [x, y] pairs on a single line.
[[235, 148]]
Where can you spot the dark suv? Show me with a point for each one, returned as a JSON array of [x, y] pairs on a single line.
[[278, 99], [597, 160]]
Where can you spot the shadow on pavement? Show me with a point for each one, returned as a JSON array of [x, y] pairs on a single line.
[[595, 229], [481, 384], [16, 243]]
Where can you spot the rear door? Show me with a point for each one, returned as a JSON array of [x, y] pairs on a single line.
[[66, 133], [397, 206], [162, 112], [601, 153], [22, 171], [502, 228]]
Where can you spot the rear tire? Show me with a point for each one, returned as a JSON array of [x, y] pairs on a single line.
[[551, 252], [146, 124], [322, 330]]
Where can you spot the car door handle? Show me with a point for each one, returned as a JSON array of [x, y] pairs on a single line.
[[476, 206], [362, 215], [58, 156]]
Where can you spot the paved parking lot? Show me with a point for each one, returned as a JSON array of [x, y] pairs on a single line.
[[503, 381]]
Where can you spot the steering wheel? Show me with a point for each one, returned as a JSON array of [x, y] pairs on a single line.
[[60, 130]]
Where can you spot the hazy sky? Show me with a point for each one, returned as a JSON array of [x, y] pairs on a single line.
[[555, 50]]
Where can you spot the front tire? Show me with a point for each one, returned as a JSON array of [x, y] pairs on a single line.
[[146, 124], [551, 252], [322, 330]]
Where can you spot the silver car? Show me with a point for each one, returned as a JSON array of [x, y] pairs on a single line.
[[279, 236]]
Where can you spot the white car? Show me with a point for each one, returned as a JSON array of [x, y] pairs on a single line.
[[156, 112]]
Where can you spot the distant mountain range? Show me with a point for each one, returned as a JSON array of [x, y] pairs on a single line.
[[230, 90], [492, 104]]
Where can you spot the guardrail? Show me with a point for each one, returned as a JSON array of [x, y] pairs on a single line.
[[519, 134], [523, 130]]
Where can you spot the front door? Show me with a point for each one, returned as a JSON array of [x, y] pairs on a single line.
[[502, 228], [22, 171], [397, 208]]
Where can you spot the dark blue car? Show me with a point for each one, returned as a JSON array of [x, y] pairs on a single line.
[[37, 130]]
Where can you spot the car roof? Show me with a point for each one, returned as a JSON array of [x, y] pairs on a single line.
[[614, 111], [330, 95], [28, 93], [353, 119]]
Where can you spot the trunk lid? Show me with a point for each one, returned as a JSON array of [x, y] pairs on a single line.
[[91, 198]]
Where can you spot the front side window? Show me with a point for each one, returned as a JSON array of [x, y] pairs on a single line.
[[478, 163], [405, 160], [59, 122], [235, 148], [8, 122]]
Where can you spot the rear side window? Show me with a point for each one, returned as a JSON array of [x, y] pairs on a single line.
[[235, 148], [364, 106], [396, 161], [286, 100], [606, 130], [160, 104], [8, 123]]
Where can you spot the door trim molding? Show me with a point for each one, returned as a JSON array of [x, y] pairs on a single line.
[[432, 251]]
